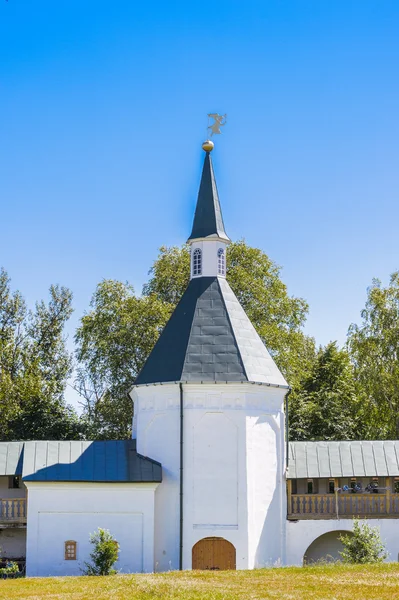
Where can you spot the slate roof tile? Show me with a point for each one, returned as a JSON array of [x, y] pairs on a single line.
[[215, 343]]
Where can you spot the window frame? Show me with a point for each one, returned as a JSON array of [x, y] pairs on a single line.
[[221, 262], [68, 554], [197, 262]]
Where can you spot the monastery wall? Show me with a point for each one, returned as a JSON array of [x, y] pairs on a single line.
[[71, 511], [301, 534]]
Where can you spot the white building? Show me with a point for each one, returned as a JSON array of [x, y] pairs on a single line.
[[204, 482]]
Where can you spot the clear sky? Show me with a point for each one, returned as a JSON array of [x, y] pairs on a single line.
[[103, 110]]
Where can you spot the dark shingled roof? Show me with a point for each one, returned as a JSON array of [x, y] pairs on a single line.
[[208, 220], [109, 461], [209, 338]]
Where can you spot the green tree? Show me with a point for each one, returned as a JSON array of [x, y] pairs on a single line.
[[326, 406], [170, 274], [104, 555], [363, 546], [116, 336], [34, 366], [113, 341], [374, 350]]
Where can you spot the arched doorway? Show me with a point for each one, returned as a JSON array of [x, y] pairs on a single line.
[[214, 553], [326, 547]]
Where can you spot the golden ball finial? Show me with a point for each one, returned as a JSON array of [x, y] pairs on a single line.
[[208, 146]]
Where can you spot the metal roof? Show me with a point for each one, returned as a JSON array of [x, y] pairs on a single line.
[[108, 461], [208, 219], [209, 338], [11, 456], [343, 459]]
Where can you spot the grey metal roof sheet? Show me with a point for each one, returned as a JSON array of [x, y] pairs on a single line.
[[209, 338], [98, 461], [323, 460], [343, 459], [11, 455], [208, 219]]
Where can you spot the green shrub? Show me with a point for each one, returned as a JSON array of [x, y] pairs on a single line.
[[104, 555], [11, 568], [364, 545]]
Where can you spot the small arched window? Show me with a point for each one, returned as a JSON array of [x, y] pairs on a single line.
[[197, 262], [70, 550], [221, 262]]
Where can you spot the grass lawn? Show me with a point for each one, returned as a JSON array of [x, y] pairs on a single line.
[[378, 582]]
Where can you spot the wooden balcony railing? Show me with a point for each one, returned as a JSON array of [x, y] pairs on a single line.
[[333, 506], [12, 510]]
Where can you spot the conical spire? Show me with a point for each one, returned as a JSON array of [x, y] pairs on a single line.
[[209, 338], [208, 220]]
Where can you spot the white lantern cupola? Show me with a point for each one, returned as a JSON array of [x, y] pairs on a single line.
[[208, 239]]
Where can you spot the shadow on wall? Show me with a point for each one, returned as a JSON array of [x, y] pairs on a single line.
[[326, 548], [13, 543], [269, 550]]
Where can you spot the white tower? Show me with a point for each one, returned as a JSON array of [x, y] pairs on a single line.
[[208, 405]]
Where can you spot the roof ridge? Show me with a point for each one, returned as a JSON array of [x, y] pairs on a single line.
[[232, 329]]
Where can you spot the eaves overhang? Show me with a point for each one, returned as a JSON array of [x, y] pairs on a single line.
[[262, 383]]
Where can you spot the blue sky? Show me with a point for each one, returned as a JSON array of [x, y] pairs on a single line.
[[103, 110]]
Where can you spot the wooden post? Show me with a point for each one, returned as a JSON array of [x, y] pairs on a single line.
[[289, 496], [388, 495], [336, 497]]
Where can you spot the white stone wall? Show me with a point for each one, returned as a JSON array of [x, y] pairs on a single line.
[[58, 512], [234, 458], [157, 427], [300, 534]]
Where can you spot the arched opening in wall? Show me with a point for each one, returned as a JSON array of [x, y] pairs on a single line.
[[326, 547], [214, 554]]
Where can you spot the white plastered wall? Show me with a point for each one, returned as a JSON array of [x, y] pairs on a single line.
[[233, 468], [300, 535], [157, 428], [58, 512]]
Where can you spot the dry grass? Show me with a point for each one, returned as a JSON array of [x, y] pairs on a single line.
[[338, 582]]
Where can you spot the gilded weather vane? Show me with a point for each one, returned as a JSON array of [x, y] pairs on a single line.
[[218, 122]]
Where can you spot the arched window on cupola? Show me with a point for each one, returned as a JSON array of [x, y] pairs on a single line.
[[221, 262], [197, 262]]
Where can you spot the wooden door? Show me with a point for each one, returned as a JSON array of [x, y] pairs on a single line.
[[215, 554]]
